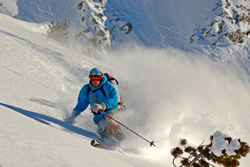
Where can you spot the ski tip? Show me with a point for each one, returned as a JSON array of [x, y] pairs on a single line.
[[93, 142], [98, 144]]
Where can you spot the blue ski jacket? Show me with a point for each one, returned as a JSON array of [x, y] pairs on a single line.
[[111, 98]]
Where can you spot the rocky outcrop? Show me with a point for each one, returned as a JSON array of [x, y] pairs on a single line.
[[118, 25], [101, 26], [237, 36], [95, 34], [231, 20]]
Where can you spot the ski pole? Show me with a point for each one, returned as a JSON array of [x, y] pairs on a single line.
[[151, 143]]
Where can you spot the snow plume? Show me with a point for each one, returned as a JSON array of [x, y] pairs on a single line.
[[172, 95]]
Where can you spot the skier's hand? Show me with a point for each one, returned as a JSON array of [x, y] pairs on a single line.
[[72, 117], [96, 107]]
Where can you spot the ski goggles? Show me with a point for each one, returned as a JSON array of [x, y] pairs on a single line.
[[95, 77]]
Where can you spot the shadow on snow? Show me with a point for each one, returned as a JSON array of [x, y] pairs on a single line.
[[47, 120]]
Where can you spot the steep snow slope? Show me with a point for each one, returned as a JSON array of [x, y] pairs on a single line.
[[173, 23], [155, 23], [9, 7], [164, 23], [186, 96], [170, 94], [194, 26], [34, 73], [47, 11]]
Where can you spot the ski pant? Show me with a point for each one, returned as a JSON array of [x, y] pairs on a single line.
[[107, 127]]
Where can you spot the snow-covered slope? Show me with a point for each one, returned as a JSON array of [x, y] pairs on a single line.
[[8, 7], [190, 91], [154, 23], [186, 96], [199, 26], [35, 74], [228, 21]]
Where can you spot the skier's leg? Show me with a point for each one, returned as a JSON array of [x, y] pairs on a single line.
[[114, 129], [107, 128]]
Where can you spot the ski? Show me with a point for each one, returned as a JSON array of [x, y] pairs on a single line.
[[98, 144]]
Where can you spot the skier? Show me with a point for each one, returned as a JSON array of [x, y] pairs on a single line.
[[102, 95]]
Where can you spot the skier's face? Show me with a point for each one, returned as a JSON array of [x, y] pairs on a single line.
[[96, 83], [95, 80]]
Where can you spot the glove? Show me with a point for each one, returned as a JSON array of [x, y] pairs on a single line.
[[96, 107]]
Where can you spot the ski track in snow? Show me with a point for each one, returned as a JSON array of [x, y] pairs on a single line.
[[154, 23]]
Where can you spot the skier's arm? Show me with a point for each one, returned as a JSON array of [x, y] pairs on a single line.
[[83, 101]]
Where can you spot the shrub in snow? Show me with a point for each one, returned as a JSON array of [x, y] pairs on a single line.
[[222, 150]]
